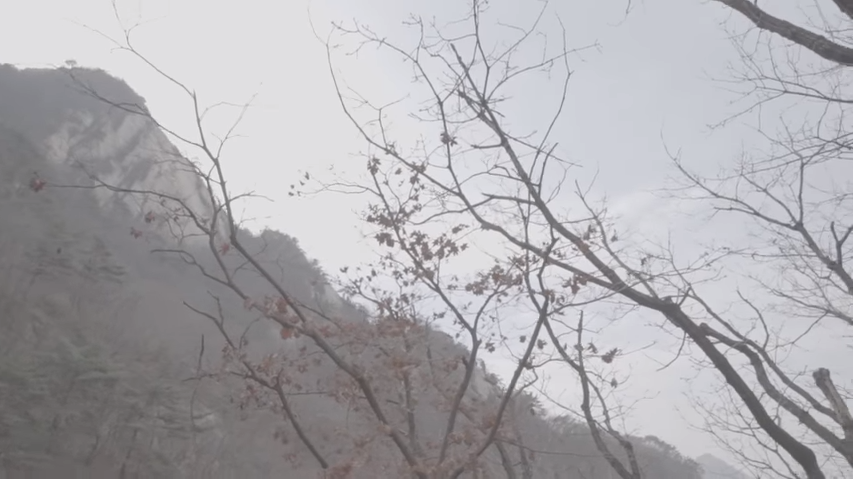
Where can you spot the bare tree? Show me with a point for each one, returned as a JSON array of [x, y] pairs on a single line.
[[423, 189], [509, 185], [381, 367], [793, 191]]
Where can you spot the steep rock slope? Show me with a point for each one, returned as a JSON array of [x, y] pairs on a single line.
[[55, 112], [96, 345]]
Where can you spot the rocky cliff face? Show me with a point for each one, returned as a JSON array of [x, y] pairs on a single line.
[[70, 128], [96, 345]]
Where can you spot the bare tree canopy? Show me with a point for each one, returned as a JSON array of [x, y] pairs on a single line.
[[827, 48], [490, 245]]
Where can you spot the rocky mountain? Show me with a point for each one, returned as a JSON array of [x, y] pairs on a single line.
[[99, 368], [73, 129]]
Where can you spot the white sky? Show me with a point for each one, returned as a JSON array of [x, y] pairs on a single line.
[[652, 79]]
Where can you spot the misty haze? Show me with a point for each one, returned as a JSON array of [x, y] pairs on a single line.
[[507, 239]]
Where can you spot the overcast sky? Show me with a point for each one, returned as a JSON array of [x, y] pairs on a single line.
[[651, 83]]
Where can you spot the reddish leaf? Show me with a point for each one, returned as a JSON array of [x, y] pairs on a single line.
[[248, 303], [37, 184], [281, 305]]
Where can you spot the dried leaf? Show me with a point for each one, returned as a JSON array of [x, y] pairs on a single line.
[[37, 184], [609, 355]]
